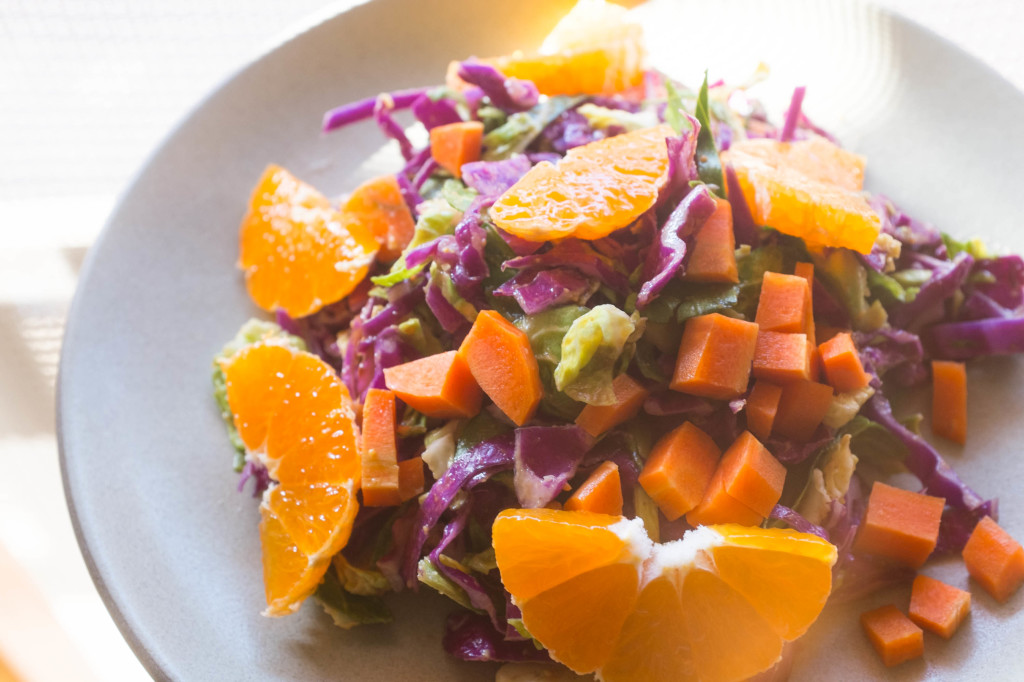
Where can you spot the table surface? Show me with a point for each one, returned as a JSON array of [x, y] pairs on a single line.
[[87, 89]]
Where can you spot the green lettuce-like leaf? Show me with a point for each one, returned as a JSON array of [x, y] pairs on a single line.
[[349, 610], [516, 134], [875, 444], [428, 574], [675, 112], [709, 165], [359, 581], [590, 353], [545, 330], [975, 247]]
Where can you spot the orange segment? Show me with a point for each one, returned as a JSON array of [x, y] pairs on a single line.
[[298, 253], [596, 189], [377, 204], [716, 605], [295, 416], [809, 189]]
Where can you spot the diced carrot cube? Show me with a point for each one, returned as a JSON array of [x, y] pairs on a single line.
[[678, 470], [843, 367], [801, 408], [752, 475], [629, 397], [938, 607], [411, 479], [894, 636], [806, 270], [713, 258], [900, 525], [378, 450], [438, 385], [456, 144], [762, 405], [601, 493], [994, 559], [781, 357], [718, 506], [949, 400], [714, 356], [783, 306]]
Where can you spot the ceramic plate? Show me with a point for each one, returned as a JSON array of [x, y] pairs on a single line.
[[174, 549]]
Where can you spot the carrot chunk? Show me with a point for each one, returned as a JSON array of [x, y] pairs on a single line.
[[501, 360], [378, 450], [783, 306], [411, 480], [762, 405], [600, 493], [378, 204], [894, 636], [781, 357], [455, 144], [718, 506], [949, 400], [629, 397], [713, 258], [677, 473], [994, 559], [438, 385], [752, 475], [801, 408], [715, 356], [900, 524], [843, 367], [938, 607]]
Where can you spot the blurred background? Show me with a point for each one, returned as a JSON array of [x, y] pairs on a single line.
[[88, 88]]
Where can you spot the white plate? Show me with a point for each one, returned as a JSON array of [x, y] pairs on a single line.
[[174, 549]]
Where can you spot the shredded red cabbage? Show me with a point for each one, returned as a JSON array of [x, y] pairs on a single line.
[[537, 291], [927, 306], [545, 458], [493, 178], [434, 111], [471, 637], [792, 117], [389, 126], [477, 595], [743, 224], [363, 109], [965, 340], [797, 522], [575, 254], [508, 94], [259, 475]]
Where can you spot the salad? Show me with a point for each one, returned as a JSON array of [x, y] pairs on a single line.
[[611, 363]]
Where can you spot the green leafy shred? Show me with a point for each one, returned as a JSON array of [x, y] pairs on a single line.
[[975, 247], [590, 352], [457, 194], [709, 165], [516, 134], [349, 610], [875, 444], [545, 330], [428, 574]]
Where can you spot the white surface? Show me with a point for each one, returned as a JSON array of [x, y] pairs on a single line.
[[87, 89]]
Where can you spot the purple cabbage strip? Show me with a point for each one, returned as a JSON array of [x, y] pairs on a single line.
[[790, 451], [364, 108], [471, 637], [414, 165], [393, 312], [575, 254], [382, 115], [923, 460], [424, 173], [470, 585], [913, 234], [258, 473], [958, 524], [471, 270], [686, 219], [388, 351], [512, 611], [508, 94], [519, 246], [545, 458], [947, 276], [965, 340], [475, 465], [667, 403], [493, 178], [792, 115], [450, 319], [570, 129], [537, 157], [1007, 273], [682, 166], [797, 522], [410, 194], [978, 306], [434, 112], [537, 291], [817, 130], [743, 224], [890, 349]]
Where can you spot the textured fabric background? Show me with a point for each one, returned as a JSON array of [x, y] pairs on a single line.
[[87, 89]]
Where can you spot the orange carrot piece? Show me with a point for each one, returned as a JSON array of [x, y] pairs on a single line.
[[455, 144], [783, 306], [938, 607], [843, 367], [806, 271], [825, 332], [378, 450], [411, 480], [438, 385], [714, 356], [894, 636], [600, 493], [713, 258], [994, 559], [718, 506], [679, 469], [629, 397], [900, 524], [949, 400], [501, 360], [752, 475], [782, 358], [762, 406], [801, 408], [378, 204]]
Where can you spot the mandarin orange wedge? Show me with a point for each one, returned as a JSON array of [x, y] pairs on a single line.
[[294, 415], [299, 253], [716, 605], [596, 189], [808, 188]]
